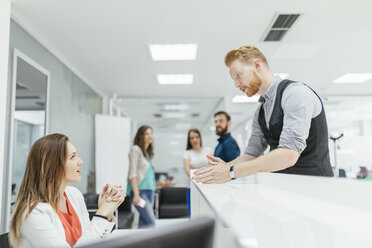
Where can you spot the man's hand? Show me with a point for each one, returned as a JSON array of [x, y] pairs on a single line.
[[214, 160], [218, 173]]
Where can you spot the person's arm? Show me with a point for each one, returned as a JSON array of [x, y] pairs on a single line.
[[278, 159], [134, 158], [275, 160], [136, 194], [39, 229], [99, 228], [243, 158], [299, 107], [187, 166]]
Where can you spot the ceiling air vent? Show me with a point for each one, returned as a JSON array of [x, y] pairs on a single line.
[[280, 26]]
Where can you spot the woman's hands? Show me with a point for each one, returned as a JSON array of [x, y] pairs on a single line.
[[109, 199], [136, 199]]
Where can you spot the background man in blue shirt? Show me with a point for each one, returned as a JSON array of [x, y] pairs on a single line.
[[227, 148]]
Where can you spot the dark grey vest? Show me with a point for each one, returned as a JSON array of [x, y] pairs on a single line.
[[314, 160]]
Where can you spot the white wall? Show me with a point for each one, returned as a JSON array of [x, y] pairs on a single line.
[[4, 50], [72, 103]]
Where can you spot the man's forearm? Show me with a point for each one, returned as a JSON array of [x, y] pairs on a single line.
[[243, 158], [278, 159]]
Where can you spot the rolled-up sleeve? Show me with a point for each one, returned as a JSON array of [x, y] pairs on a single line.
[[298, 105], [134, 157], [257, 143]]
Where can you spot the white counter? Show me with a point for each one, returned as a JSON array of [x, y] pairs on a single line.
[[278, 210]]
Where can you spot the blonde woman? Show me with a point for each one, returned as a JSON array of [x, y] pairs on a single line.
[[48, 212]]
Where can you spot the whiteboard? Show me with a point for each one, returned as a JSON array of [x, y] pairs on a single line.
[[112, 149]]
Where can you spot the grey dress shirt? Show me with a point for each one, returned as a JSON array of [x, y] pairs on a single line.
[[300, 104]]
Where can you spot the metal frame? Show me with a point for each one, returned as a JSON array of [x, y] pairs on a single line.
[[18, 54]]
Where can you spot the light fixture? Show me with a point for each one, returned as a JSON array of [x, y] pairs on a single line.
[[282, 75], [176, 107], [353, 78], [245, 99], [177, 79], [167, 52], [174, 115], [174, 142]]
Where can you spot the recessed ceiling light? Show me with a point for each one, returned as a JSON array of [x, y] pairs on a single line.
[[163, 52], [176, 107], [169, 79], [245, 99], [282, 75], [354, 78], [172, 115]]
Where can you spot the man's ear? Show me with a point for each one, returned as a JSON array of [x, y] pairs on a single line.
[[228, 124], [257, 64]]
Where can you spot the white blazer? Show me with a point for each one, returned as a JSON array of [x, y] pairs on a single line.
[[43, 228]]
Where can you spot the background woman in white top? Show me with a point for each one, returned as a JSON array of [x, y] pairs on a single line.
[[47, 212], [195, 155]]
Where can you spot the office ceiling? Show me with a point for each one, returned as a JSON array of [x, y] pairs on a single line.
[[106, 42]]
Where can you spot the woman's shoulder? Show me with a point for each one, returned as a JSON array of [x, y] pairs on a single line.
[[136, 148], [40, 209], [186, 154]]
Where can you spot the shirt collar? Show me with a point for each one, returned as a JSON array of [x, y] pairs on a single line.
[[224, 137], [270, 92]]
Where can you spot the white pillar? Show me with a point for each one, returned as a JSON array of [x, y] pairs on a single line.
[[4, 53]]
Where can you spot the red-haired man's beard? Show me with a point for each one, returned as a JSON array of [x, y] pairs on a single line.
[[252, 88]]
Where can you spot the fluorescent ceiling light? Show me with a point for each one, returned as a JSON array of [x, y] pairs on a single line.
[[353, 78], [282, 75], [245, 99], [163, 52], [172, 115], [176, 107], [174, 142], [212, 128], [168, 79]]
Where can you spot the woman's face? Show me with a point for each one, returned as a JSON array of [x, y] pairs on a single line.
[[194, 139], [148, 136], [73, 164]]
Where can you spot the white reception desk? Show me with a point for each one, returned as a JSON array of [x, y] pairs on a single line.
[[289, 211]]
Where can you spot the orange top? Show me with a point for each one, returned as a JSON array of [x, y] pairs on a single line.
[[71, 223]]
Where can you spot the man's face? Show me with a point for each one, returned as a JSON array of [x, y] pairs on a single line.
[[245, 77], [222, 125]]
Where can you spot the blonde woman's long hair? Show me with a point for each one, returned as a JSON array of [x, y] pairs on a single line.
[[42, 180]]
